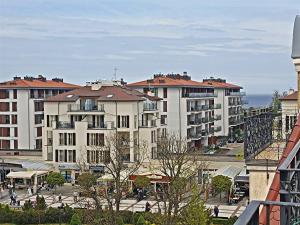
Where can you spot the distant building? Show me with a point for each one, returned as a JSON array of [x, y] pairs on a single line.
[[198, 111], [289, 109], [22, 110], [78, 122]]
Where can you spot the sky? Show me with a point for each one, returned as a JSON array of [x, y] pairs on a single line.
[[245, 42]]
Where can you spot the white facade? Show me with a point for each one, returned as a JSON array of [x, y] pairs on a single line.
[[199, 112], [76, 133], [21, 116], [289, 109]]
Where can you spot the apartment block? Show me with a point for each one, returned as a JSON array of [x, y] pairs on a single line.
[[231, 98], [22, 110], [80, 122], [197, 111]]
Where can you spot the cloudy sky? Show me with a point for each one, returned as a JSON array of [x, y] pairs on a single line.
[[246, 42]]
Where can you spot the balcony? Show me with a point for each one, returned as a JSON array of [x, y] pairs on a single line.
[[204, 132], [217, 117], [147, 123], [85, 108], [150, 107], [236, 122], [194, 136], [194, 122], [217, 129], [200, 95], [217, 106], [205, 120], [101, 125], [64, 125], [236, 93]]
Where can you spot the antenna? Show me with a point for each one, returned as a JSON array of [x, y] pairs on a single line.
[[115, 73]]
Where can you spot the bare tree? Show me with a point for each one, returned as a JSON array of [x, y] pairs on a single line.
[[115, 155], [178, 163]]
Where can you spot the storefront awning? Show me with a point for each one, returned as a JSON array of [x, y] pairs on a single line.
[[25, 174]]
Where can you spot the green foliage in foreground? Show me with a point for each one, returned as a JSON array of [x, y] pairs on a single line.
[[81, 216]]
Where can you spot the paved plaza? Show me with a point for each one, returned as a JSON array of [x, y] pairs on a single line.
[[126, 204]]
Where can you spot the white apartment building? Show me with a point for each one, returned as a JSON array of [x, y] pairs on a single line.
[[79, 123], [230, 97], [22, 110], [289, 110], [198, 111]]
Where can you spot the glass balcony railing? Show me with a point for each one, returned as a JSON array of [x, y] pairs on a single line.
[[150, 107], [64, 125], [85, 108], [237, 93], [200, 95]]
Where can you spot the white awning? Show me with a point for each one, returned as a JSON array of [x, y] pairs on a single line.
[[25, 174], [228, 171]]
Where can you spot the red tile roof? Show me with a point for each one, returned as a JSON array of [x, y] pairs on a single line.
[[221, 85], [35, 83], [164, 81], [105, 93], [273, 194], [290, 97]]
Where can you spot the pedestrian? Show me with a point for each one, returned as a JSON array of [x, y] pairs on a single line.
[[147, 208], [216, 211], [59, 197]]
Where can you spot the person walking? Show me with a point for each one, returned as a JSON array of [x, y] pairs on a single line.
[[59, 197], [216, 211], [147, 208], [75, 194]]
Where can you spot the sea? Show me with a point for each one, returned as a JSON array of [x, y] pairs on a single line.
[[258, 100]]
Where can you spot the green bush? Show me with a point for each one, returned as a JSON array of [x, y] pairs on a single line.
[[141, 220], [75, 220]]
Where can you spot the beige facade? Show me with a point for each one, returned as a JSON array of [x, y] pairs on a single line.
[[76, 131]]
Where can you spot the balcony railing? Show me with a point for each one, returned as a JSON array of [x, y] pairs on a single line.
[[237, 93], [101, 125], [195, 122], [85, 108], [205, 120], [217, 106], [204, 132], [252, 214], [150, 106], [200, 95], [217, 129], [194, 136], [64, 125], [236, 121], [148, 123], [217, 117]]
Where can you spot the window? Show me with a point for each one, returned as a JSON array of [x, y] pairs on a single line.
[[15, 144], [14, 119], [165, 106], [153, 153], [38, 118], [38, 144], [4, 119], [165, 94], [15, 94], [56, 155], [39, 132], [4, 94], [41, 94], [95, 139], [4, 144], [38, 106], [32, 93], [123, 121], [153, 136], [4, 106], [4, 131], [163, 119], [14, 107], [16, 131], [68, 139]]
